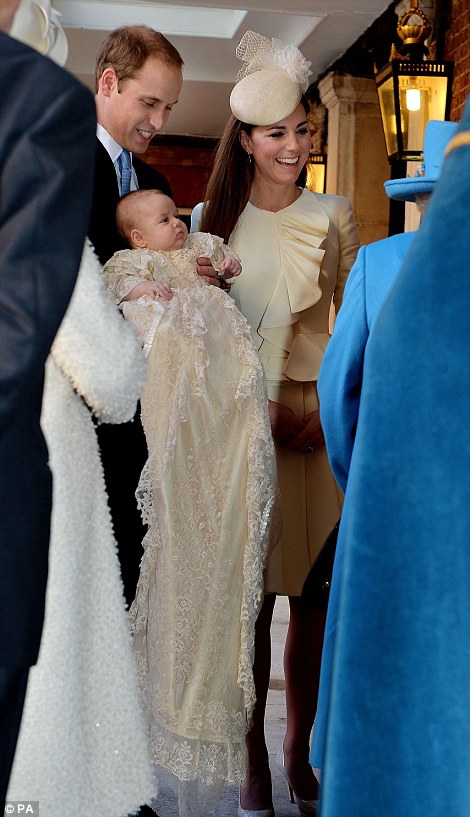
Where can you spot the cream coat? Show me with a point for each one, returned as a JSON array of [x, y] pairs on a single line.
[[295, 264], [83, 747]]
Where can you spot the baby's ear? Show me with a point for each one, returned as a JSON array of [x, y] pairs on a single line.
[[137, 239]]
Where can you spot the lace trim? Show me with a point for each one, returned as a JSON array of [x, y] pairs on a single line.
[[202, 737]]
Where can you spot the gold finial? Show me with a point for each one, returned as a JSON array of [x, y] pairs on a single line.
[[413, 34]]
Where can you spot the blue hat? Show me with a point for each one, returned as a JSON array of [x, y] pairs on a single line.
[[436, 137]]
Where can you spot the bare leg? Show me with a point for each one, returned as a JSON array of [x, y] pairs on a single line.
[[257, 793], [302, 658]]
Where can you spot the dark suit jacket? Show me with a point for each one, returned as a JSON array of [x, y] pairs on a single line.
[[103, 232], [123, 447], [47, 127]]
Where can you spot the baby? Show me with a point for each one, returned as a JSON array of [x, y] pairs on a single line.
[[207, 492], [149, 221]]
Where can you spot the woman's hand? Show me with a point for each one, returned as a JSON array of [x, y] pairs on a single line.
[[285, 426], [311, 437], [294, 433]]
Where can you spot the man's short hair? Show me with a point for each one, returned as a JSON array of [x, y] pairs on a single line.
[[127, 49]]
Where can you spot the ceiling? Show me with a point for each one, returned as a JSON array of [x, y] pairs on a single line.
[[206, 37]]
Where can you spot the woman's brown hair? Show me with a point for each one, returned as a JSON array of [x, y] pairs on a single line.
[[229, 185]]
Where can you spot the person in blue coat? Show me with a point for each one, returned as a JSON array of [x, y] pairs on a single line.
[[371, 277], [398, 727], [340, 382]]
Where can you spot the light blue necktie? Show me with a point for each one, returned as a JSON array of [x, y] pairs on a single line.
[[125, 169]]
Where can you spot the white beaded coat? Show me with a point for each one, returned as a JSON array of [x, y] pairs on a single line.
[[83, 746]]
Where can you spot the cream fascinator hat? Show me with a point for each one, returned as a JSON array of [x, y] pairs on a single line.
[[37, 24], [270, 85]]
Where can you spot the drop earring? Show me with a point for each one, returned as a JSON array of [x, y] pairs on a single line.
[[250, 157]]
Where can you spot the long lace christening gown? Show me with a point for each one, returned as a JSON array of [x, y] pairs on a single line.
[[208, 493]]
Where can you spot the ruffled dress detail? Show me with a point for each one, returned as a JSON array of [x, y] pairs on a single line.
[[280, 310]]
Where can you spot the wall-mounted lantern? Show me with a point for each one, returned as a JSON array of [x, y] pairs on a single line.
[[411, 89]]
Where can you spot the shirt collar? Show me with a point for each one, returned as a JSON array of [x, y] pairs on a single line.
[[110, 144]]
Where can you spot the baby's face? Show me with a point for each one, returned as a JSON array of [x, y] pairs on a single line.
[[160, 224]]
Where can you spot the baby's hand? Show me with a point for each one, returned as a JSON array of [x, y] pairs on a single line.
[[154, 289], [162, 290], [231, 266]]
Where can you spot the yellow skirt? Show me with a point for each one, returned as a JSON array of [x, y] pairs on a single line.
[[311, 500]]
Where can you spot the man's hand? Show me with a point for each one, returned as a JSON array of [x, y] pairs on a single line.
[[204, 267]]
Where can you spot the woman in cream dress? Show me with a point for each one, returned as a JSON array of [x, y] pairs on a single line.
[[296, 249]]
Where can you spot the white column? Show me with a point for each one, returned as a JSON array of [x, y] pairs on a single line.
[[357, 158]]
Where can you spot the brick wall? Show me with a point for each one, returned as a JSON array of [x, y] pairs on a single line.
[[458, 49], [186, 162]]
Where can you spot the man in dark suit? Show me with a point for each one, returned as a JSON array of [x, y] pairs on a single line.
[[47, 124], [138, 80]]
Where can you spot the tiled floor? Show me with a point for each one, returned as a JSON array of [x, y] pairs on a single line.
[[275, 724]]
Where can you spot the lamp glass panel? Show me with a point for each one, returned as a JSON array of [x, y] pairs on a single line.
[[387, 111], [437, 97], [432, 94], [316, 172], [413, 122]]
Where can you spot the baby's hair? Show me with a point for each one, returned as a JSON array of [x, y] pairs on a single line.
[[125, 211]]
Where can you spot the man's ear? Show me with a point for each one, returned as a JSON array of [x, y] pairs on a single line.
[[108, 81], [137, 239]]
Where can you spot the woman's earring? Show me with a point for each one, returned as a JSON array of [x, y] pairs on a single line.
[[250, 157]]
